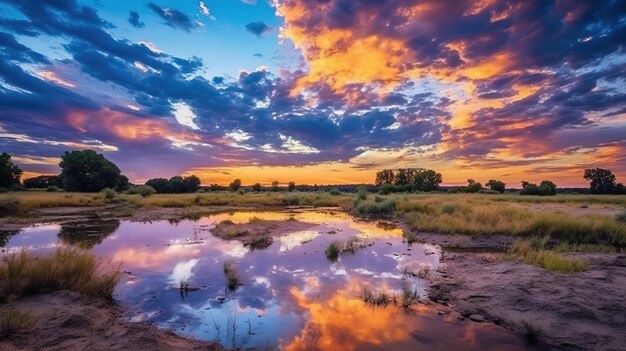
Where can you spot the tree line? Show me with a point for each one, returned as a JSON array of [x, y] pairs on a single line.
[[89, 171]]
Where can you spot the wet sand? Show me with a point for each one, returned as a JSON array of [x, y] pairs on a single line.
[[576, 311], [67, 321]]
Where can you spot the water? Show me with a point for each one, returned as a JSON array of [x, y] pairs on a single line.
[[292, 297]]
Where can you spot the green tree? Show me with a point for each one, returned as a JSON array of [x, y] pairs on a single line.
[[427, 179], [496, 185], [473, 186], [257, 187], [177, 185], [386, 176], [602, 180], [161, 185], [547, 188], [10, 173], [192, 183], [275, 185], [291, 186], [235, 185], [89, 171]]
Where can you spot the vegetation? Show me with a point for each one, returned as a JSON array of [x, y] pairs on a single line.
[[257, 187], [546, 188], [89, 171], [142, 190], [409, 179], [235, 185], [530, 252], [14, 321], [496, 185], [233, 280], [333, 250], [621, 217], [23, 274], [378, 299], [175, 185], [43, 182], [10, 173], [530, 332], [291, 186], [603, 181]]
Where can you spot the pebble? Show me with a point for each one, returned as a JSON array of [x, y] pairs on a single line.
[[477, 318]]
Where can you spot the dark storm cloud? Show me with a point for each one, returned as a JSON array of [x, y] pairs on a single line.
[[133, 19], [173, 17], [257, 28]]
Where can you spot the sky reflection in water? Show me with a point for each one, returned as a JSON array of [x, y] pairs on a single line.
[[292, 298]]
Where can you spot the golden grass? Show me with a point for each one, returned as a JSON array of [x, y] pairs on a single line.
[[13, 321], [525, 251], [29, 200], [23, 274]]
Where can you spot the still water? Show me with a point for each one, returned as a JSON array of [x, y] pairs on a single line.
[[292, 297]]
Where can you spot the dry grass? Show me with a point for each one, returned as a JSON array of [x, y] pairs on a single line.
[[29, 200], [14, 321], [529, 252], [23, 274]]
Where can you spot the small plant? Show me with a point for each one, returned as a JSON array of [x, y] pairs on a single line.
[[109, 193], [621, 217], [333, 250], [255, 220], [448, 208], [384, 207], [380, 299], [233, 280], [291, 200], [334, 192], [530, 332], [408, 296], [9, 206], [14, 321], [259, 242]]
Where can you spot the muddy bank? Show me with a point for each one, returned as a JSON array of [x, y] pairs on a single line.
[[67, 321], [258, 233], [579, 311]]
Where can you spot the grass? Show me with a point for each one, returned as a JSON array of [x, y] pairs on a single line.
[[233, 279], [333, 250], [374, 208], [23, 274], [529, 252], [14, 321], [408, 296], [621, 217], [378, 299], [530, 332]]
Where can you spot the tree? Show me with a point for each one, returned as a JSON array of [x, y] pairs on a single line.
[[404, 176], [496, 185], [192, 183], [602, 180], [473, 186], [291, 186], [547, 188], [161, 185], [10, 173], [235, 185], [177, 185], [427, 179], [42, 182], [385, 176], [257, 187], [89, 171], [275, 185]]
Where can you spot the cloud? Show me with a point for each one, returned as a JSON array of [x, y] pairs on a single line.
[[133, 19], [205, 10], [173, 17], [257, 28]]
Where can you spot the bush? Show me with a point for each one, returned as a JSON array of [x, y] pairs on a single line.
[[109, 193], [334, 192], [143, 190], [9, 206], [292, 200], [621, 217], [384, 207], [333, 250], [14, 321], [386, 189], [52, 189]]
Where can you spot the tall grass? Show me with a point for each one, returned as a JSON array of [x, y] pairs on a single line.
[[233, 279], [333, 250], [23, 274], [14, 321], [525, 251]]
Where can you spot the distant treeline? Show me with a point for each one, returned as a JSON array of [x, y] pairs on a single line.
[[89, 171]]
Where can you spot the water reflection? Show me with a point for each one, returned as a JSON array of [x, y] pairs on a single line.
[[87, 234], [291, 298]]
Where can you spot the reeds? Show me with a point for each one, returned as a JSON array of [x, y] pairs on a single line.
[[233, 279], [23, 274]]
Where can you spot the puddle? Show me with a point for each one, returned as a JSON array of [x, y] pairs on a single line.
[[292, 297]]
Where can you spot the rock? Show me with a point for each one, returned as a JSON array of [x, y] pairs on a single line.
[[477, 318]]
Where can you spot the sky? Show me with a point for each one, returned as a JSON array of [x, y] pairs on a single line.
[[317, 91]]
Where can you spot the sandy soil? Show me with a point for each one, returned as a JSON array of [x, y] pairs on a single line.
[[67, 321], [580, 311], [259, 233]]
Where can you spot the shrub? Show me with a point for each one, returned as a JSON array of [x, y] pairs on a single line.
[[621, 217], [449, 208], [109, 193], [386, 189], [143, 190], [9, 206], [334, 192], [52, 189], [384, 207], [291, 200]]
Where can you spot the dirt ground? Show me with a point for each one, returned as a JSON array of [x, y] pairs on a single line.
[[67, 321], [579, 311], [257, 234], [577, 210]]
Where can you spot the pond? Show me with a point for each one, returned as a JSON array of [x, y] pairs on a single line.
[[292, 296]]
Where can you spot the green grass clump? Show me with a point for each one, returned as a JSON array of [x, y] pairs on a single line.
[[525, 251], [14, 321], [383, 207], [333, 250], [334, 192], [291, 200], [23, 274], [233, 279]]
